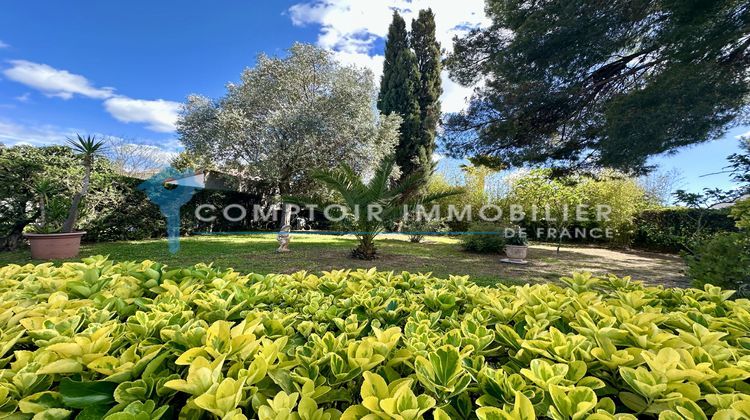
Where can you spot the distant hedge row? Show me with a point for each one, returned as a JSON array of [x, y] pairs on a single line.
[[138, 218], [669, 229]]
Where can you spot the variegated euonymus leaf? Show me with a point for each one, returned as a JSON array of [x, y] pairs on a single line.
[[97, 339], [442, 372], [391, 401]]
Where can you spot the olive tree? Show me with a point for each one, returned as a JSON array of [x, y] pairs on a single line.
[[288, 117]]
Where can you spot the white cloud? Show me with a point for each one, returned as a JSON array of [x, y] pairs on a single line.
[[372, 62], [3, 44], [14, 134], [23, 98], [53, 82], [455, 97], [354, 25], [37, 135], [159, 115], [351, 29], [744, 135]]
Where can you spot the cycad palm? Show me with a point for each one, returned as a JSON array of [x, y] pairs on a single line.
[[86, 147], [374, 205]]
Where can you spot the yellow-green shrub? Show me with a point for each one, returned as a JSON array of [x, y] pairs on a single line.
[[131, 340]]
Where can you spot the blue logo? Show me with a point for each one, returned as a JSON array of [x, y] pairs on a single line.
[[171, 189]]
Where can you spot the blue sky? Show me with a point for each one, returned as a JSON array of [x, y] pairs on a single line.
[[122, 69]]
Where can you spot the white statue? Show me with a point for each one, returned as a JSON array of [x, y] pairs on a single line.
[[284, 237]]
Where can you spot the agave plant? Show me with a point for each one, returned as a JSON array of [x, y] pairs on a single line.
[[86, 147], [360, 198]]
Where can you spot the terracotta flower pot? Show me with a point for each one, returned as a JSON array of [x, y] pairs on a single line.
[[52, 246], [516, 252]]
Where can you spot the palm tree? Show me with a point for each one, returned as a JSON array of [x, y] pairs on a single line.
[[359, 198], [86, 147]]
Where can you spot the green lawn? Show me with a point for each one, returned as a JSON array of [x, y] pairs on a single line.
[[440, 255]]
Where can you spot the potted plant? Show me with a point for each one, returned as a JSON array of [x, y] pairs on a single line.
[[516, 246], [49, 240]]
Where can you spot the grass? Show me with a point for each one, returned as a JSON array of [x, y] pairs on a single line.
[[440, 255]]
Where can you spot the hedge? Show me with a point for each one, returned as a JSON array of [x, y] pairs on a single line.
[[129, 216], [95, 339], [135, 217], [723, 260], [669, 229]]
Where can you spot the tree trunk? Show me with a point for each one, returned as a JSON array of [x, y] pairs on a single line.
[[286, 214], [366, 249], [559, 237], [13, 239], [43, 209], [73, 213]]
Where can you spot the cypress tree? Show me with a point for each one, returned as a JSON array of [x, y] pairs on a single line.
[[399, 88], [427, 52]]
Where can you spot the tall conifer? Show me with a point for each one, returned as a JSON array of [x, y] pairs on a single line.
[[427, 52], [399, 89]]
